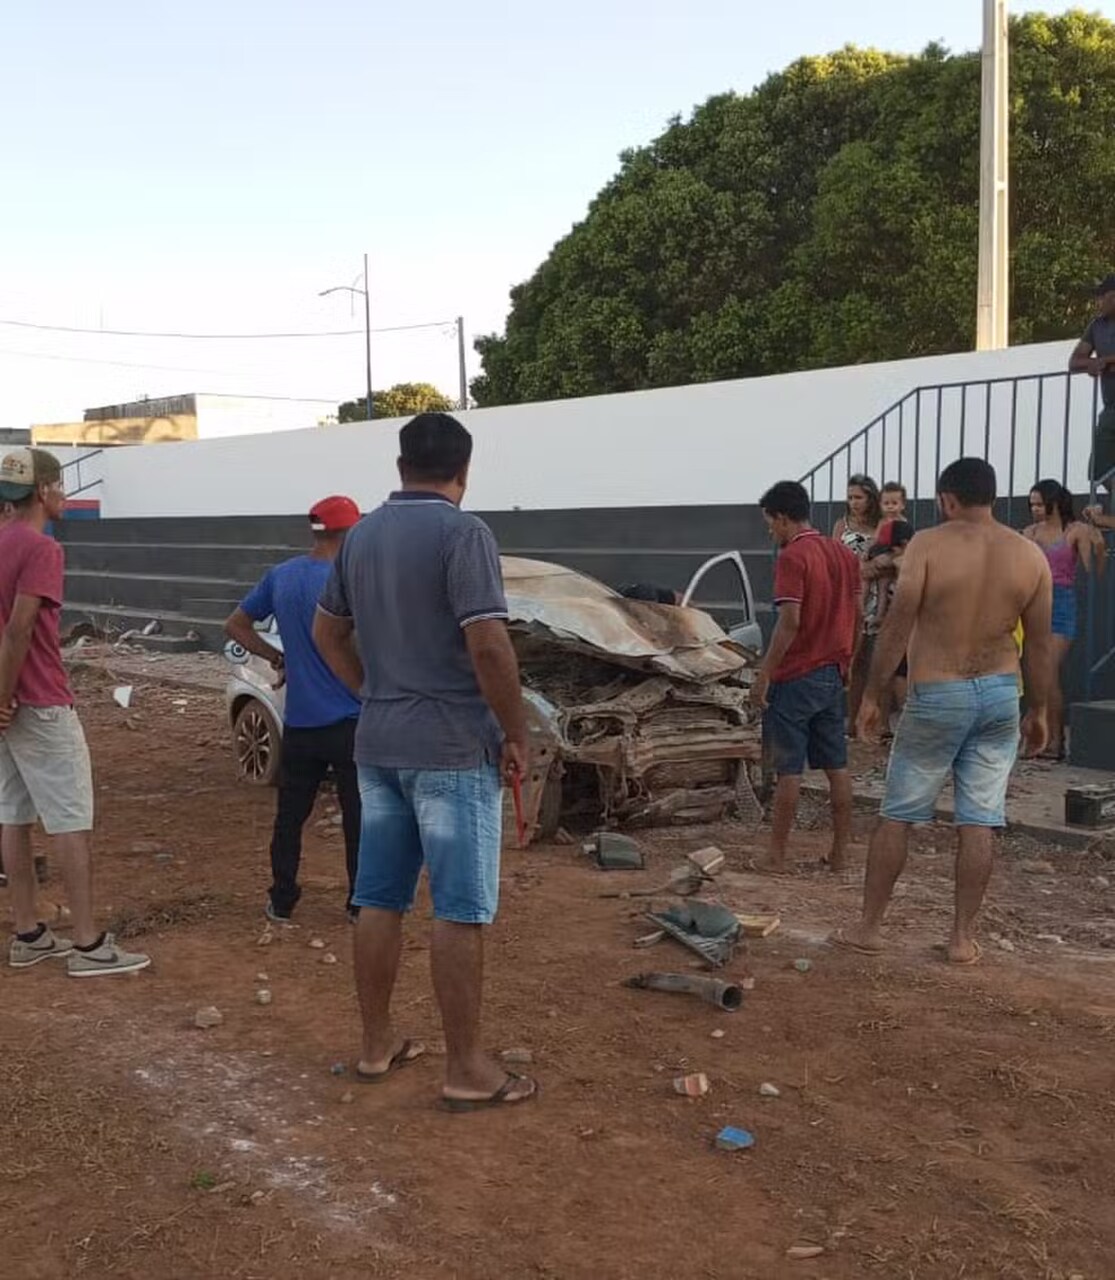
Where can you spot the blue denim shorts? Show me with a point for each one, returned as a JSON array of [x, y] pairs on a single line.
[[806, 720], [450, 819], [968, 728], [1064, 612]]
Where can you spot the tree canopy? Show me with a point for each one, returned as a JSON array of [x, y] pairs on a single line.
[[402, 400], [829, 217]]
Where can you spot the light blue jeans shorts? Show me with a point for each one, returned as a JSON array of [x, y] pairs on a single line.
[[449, 819], [968, 728]]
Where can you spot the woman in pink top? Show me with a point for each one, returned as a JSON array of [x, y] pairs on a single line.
[[1067, 543]]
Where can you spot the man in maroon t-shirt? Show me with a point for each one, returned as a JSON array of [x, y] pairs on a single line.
[[800, 685], [44, 762]]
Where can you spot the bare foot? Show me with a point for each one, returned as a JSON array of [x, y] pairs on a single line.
[[868, 942], [963, 951]]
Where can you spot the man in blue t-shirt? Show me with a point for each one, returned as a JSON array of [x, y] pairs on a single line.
[[319, 720]]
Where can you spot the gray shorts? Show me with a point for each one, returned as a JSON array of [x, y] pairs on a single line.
[[45, 772]]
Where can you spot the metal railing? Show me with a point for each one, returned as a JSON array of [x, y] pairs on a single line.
[[75, 463], [1032, 427]]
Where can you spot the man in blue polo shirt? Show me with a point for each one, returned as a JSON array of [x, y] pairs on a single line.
[[319, 720]]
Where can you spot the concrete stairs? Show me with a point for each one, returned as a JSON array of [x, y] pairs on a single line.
[[189, 574]]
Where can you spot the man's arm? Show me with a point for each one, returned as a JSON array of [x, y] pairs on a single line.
[[336, 641], [240, 626], [14, 645], [894, 638], [783, 636], [1037, 658], [497, 673]]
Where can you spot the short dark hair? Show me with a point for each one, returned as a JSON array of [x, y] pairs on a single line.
[[894, 486], [435, 447], [971, 481], [786, 498]]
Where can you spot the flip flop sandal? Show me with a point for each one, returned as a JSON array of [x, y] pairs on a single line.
[[838, 939], [498, 1099], [408, 1052]]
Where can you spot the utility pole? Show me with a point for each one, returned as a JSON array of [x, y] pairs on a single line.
[[993, 301], [462, 371], [368, 336]]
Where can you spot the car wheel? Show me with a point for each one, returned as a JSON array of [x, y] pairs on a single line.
[[257, 742]]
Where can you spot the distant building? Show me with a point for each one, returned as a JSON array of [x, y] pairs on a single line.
[[197, 416]]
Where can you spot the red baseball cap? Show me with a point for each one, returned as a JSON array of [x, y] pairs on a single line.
[[334, 514]]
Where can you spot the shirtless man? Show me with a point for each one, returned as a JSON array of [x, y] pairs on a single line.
[[963, 587]]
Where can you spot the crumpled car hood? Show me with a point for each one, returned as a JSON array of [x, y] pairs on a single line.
[[582, 615]]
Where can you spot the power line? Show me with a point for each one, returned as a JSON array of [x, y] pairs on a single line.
[[220, 337]]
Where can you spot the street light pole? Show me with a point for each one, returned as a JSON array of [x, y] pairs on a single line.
[[462, 371], [368, 336], [993, 301], [351, 288]]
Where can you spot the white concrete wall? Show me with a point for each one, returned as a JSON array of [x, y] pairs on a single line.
[[221, 416], [715, 443]]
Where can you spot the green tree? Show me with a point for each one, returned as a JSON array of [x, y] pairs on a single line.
[[829, 217], [403, 400]]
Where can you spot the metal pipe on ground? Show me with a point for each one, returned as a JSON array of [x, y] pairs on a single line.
[[724, 995]]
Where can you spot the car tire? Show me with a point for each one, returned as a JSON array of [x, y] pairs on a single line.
[[257, 742]]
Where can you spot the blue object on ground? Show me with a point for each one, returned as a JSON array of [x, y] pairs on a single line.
[[730, 1139]]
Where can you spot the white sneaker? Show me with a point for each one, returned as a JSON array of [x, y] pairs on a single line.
[[107, 958], [22, 955]]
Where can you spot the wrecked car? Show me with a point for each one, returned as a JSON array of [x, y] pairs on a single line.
[[638, 711]]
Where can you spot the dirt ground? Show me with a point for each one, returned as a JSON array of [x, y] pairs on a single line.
[[932, 1123]]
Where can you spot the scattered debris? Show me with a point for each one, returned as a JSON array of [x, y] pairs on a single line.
[[263, 996], [208, 1017], [1038, 867], [329, 958], [708, 928], [732, 1139], [338, 1069], [614, 852], [802, 965], [650, 939], [1101, 882], [692, 1086], [266, 938], [517, 1057], [748, 983], [563, 837], [1090, 806], [122, 695], [348, 1096], [708, 861], [803, 1252], [153, 628], [758, 926], [1004, 944], [1055, 938], [725, 995], [146, 847], [718, 1034], [769, 1091], [257, 1196], [262, 977], [316, 944]]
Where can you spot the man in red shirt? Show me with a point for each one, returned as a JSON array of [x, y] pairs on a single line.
[[800, 685], [44, 762]]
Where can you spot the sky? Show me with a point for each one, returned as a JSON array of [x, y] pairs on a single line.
[[212, 167]]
